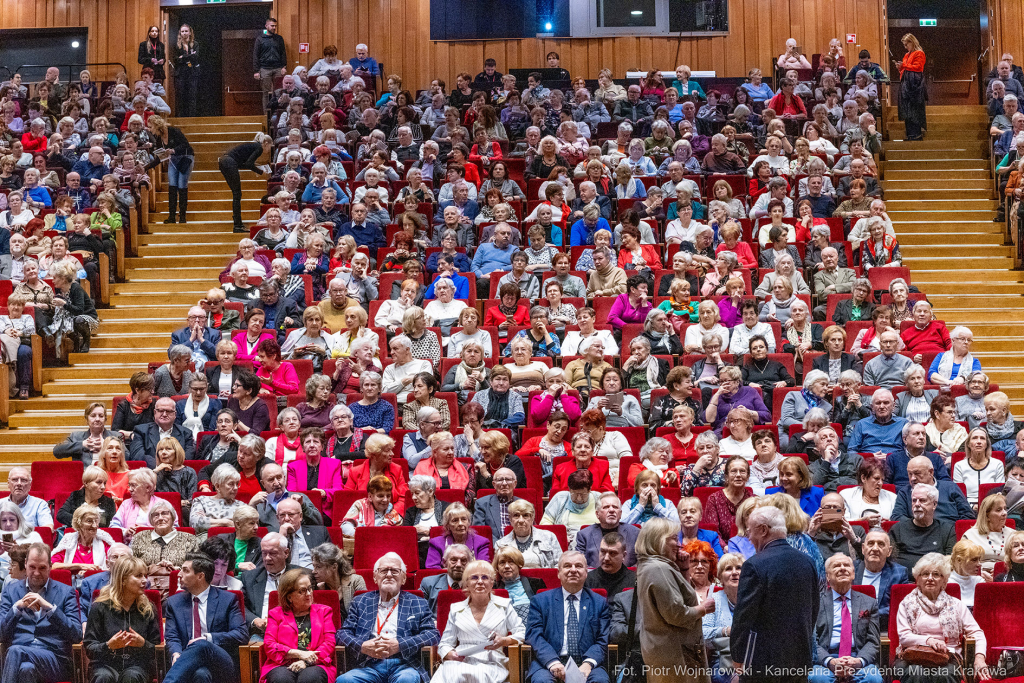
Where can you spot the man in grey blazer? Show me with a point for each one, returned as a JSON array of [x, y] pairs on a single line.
[[846, 631], [609, 512], [456, 557], [492, 510], [831, 279], [274, 491]]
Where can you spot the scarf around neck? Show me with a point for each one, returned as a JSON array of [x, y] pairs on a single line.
[[284, 444]]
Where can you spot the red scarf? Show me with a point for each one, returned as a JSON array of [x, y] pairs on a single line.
[[282, 442], [888, 244], [139, 408]]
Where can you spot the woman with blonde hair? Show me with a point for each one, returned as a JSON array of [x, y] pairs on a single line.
[[965, 561], [112, 460], [1002, 428], [178, 152], [795, 481], [991, 532], [356, 321], [86, 547], [123, 629], [672, 635], [797, 522]]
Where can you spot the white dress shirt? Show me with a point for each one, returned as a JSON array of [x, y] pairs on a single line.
[[580, 616]]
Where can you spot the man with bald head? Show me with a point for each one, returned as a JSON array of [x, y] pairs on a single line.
[[882, 433], [492, 510], [952, 504], [831, 279], [302, 538], [914, 442], [835, 465], [609, 516], [887, 368], [147, 436], [92, 169], [570, 623], [197, 336]]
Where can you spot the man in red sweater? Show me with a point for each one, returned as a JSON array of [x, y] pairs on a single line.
[[927, 335]]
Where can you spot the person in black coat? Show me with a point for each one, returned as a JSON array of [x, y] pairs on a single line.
[[147, 436], [777, 574], [153, 54], [69, 296], [138, 626], [658, 331], [851, 407], [137, 408], [77, 498], [509, 561], [280, 312], [185, 60], [861, 297], [762, 371], [83, 445], [242, 157], [181, 159]]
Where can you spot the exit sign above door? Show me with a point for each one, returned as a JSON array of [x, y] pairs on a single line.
[[922, 22]]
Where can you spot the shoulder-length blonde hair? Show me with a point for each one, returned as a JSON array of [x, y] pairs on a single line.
[[796, 519], [651, 541], [114, 592], [912, 39], [984, 508], [123, 467]]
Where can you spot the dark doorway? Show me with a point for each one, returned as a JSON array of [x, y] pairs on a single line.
[[65, 48], [953, 35], [225, 34]]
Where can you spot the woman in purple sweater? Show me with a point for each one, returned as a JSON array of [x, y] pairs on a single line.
[[730, 394], [631, 307]]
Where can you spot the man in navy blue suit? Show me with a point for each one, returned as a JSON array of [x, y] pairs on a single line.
[[568, 623], [773, 623], [197, 336], [204, 627], [38, 624], [878, 569]]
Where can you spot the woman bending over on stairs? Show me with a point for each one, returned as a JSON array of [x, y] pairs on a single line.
[[172, 146]]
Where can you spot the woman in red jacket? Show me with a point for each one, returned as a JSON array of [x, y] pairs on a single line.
[[583, 459], [34, 139], [299, 642], [912, 88]]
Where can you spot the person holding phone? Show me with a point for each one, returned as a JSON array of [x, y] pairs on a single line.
[[793, 57]]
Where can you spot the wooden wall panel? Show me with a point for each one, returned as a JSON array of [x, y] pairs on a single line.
[[398, 33]]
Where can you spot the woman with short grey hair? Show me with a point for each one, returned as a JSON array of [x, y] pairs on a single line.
[[173, 378], [219, 509]]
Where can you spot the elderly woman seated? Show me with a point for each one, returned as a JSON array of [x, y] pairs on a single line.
[[644, 371], [19, 531], [647, 501], [930, 618], [709, 323], [868, 500], [134, 511], [575, 508], [448, 472], [717, 625], [455, 521], [219, 509], [815, 394], [425, 512], [85, 548], [374, 510], [540, 548], [311, 341], [970, 408], [333, 571], [740, 422], [94, 483], [508, 562], [945, 434], [173, 379], [655, 456], [162, 548], [785, 266], [239, 288], [914, 404], [583, 448], [956, 365], [424, 386]]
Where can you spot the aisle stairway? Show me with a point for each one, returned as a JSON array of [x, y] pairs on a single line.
[[175, 267], [940, 199]]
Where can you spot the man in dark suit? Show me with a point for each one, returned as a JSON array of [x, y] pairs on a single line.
[[835, 466], [204, 627], [274, 492], [95, 582], [492, 510], [197, 336], [38, 624], [259, 583], [877, 569], [147, 436], [280, 312], [953, 503], [185, 409], [847, 634], [456, 557], [609, 512], [571, 623], [301, 538], [772, 626], [387, 651]]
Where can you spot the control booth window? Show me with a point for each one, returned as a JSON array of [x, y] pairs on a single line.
[[607, 18]]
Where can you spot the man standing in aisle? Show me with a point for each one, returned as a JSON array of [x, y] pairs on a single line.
[[269, 59]]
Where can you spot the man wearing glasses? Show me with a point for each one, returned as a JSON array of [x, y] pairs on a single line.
[[197, 336], [219, 318], [386, 629], [492, 510], [147, 436]]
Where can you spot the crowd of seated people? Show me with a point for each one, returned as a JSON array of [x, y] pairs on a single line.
[[404, 364]]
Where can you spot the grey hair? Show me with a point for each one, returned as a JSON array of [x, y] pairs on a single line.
[[588, 184], [656, 443], [423, 482], [444, 281], [930, 490], [706, 437], [179, 351], [143, 473], [587, 343], [769, 515], [776, 182], [729, 257], [235, 268], [340, 409], [936, 561], [254, 443], [708, 338], [862, 282], [285, 413], [403, 340], [660, 125], [425, 413], [359, 342], [815, 416], [223, 474], [960, 331], [625, 127], [1010, 97], [898, 281], [643, 341], [718, 137], [823, 230], [158, 504], [456, 547], [813, 376], [389, 556], [912, 370], [851, 374], [8, 505]]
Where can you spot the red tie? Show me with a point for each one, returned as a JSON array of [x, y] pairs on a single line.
[[845, 630], [198, 626]]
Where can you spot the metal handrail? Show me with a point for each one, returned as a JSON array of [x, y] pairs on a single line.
[[70, 67], [973, 78]]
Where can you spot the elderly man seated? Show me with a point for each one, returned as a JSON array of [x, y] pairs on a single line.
[[915, 440], [609, 514], [301, 537], [456, 557], [913, 538], [866, 133], [274, 492], [35, 510], [197, 336], [858, 171], [887, 368], [882, 433], [879, 570], [952, 504], [837, 466], [927, 335], [846, 636], [582, 636], [831, 279], [386, 629], [259, 583]]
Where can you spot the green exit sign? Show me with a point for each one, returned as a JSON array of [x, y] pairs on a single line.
[[922, 22], [210, 2]]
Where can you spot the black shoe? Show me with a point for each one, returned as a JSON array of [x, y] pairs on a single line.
[[999, 219], [240, 229], [170, 219]]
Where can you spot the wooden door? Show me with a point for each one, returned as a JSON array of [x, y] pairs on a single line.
[[241, 92]]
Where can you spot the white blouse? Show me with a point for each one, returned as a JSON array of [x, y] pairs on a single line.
[[856, 505]]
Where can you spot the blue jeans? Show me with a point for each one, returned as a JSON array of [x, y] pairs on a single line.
[[25, 366], [25, 664], [382, 671], [202, 662], [176, 177], [869, 674]]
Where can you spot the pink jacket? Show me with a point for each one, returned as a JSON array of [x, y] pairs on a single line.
[[281, 382], [328, 478], [540, 408], [239, 339], [283, 635]]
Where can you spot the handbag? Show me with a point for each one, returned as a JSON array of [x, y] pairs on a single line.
[[922, 655], [632, 669]]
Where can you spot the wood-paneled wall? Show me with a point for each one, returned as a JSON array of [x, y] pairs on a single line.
[[398, 34], [1007, 25]]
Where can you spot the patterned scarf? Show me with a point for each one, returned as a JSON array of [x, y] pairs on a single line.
[[943, 608]]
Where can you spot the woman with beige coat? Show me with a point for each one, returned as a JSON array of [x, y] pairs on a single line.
[[672, 640]]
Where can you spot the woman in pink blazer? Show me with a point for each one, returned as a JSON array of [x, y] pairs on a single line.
[[299, 643], [328, 479]]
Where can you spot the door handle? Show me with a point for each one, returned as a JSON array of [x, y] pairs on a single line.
[[241, 92]]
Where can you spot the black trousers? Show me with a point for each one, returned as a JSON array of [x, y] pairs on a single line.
[[186, 90], [229, 169], [108, 674], [311, 674]]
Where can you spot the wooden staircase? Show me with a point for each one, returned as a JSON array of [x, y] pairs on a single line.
[[175, 267], [939, 195]]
